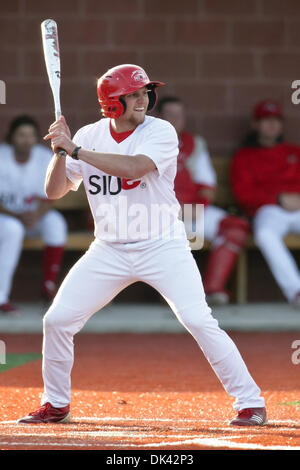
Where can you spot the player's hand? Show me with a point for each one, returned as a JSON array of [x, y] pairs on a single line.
[[60, 136], [60, 126], [61, 142], [290, 201], [207, 193], [29, 218]]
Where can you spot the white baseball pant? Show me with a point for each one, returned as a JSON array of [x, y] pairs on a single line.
[[103, 271], [51, 228], [270, 225]]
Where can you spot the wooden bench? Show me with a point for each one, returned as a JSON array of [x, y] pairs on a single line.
[[80, 240]]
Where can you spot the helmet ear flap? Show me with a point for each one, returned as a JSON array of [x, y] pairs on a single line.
[[111, 108], [152, 96], [123, 103]]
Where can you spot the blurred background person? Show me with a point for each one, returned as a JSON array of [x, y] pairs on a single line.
[[265, 177], [195, 183], [24, 208]]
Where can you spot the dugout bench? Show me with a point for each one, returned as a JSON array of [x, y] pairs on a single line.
[[80, 240]]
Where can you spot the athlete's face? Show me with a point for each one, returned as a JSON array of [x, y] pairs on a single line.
[[136, 106], [174, 113], [269, 127], [24, 138]]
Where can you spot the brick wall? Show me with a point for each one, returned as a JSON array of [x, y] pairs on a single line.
[[219, 56]]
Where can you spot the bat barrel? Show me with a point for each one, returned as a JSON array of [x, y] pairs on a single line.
[[52, 60]]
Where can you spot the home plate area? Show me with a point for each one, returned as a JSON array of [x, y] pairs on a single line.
[[128, 433]]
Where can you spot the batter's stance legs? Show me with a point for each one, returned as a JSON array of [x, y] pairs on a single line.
[[171, 269]]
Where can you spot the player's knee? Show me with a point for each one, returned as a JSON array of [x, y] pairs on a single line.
[[263, 235], [55, 229], [197, 318], [54, 319], [13, 229], [49, 321], [61, 320]]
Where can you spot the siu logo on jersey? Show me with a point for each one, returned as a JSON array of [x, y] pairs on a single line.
[[113, 185]]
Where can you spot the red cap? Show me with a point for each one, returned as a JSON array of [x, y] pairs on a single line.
[[267, 108]]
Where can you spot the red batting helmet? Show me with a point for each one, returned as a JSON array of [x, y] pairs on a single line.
[[119, 81]]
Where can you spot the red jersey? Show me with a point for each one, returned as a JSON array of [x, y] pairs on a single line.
[[259, 174], [194, 169]]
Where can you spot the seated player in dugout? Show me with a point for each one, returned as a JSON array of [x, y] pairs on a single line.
[[265, 178], [195, 183], [25, 210]]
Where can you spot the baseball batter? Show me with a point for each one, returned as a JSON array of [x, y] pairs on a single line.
[[127, 163]]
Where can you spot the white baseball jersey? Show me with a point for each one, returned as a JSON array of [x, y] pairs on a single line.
[[22, 184], [130, 210]]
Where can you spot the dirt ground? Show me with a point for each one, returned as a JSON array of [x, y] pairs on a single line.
[[152, 391]]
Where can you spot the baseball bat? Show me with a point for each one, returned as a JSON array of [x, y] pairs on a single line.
[[52, 60]]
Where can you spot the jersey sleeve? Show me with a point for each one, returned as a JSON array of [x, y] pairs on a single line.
[[73, 167], [161, 145], [200, 166]]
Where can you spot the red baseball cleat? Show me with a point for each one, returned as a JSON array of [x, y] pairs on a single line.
[[250, 417], [47, 414], [8, 308]]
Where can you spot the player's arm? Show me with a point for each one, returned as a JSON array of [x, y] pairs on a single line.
[[123, 166], [5, 211], [29, 218], [44, 205], [57, 183]]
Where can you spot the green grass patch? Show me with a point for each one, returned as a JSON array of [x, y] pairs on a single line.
[[18, 359], [290, 403]]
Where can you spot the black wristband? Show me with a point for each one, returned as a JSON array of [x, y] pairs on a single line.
[[75, 153]]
